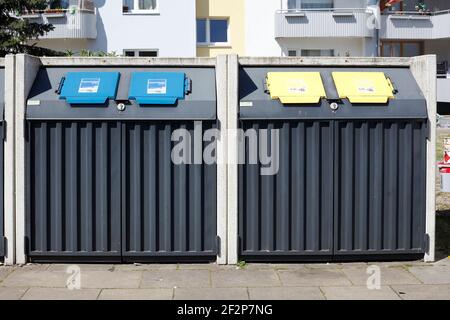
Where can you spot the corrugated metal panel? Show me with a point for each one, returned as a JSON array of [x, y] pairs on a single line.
[[80, 25], [313, 22], [73, 188], [290, 213], [2, 207], [415, 27], [170, 210], [380, 187]]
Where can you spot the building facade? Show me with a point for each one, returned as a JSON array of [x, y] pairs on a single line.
[[151, 28], [206, 28]]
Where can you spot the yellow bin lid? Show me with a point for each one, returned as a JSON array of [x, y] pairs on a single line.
[[295, 87], [363, 87]]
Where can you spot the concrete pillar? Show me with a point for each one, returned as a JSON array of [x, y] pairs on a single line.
[[222, 98], [424, 70], [9, 158], [27, 68], [233, 79]]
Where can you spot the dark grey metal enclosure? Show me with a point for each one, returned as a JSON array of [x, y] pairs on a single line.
[[2, 159], [101, 185], [351, 183]]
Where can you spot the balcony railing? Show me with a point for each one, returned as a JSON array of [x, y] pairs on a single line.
[[76, 22], [416, 25], [337, 22]]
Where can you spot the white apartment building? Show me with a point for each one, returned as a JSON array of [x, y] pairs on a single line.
[[175, 28], [127, 27], [351, 28]]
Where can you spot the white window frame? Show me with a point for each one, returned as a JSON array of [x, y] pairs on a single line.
[[142, 11], [136, 52], [208, 42]]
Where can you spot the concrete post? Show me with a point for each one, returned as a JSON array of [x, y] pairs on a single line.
[[27, 68], [233, 110], [9, 158], [221, 79], [424, 70]]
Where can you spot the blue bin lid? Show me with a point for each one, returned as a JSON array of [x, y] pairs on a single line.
[[89, 87], [157, 88]]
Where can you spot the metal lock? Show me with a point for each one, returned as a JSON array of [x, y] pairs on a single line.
[[121, 107], [334, 106]]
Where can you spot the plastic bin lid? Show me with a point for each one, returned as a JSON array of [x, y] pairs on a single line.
[[89, 87], [157, 88], [363, 87], [295, 87]]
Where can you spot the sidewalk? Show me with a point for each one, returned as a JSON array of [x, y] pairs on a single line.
[[409, 280]]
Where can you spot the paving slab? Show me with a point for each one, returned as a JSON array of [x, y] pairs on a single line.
[[12, 293], [388, 275], [432, 274], [111, 280], [400, 263], [60, 294], [35, 278], [144, 267], [286, 293], [136, 294], [314, 277], [245, 278], [83, 267], [423, 292], [34, 266], [5, 271], [443, 262], [211, 294], [359, 293], [176, 278], [204, 266]]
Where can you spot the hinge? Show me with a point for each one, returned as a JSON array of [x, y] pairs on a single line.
[[218, 246], [26, 245], [25, 129], [4, 130], [428, 130], [5, 246], [239, 244], [426, 243]]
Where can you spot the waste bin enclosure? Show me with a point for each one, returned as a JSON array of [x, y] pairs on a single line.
[[2, 157], [351, 178], [101, 183]]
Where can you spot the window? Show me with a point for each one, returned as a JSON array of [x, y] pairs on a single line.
[[310, 4], [212, 31], [402, 48], [317, 53], [61, 4], [311, 53], [140, 53], [139, 6]]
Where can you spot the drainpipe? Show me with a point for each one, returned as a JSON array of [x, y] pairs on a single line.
[[374, 7]]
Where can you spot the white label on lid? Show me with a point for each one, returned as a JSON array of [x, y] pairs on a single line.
[[34, 103], [157, 86], [246, 104], [366, 87], [297, 86], [89, 85]]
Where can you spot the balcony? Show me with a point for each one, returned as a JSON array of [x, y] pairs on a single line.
[[76, 22], [342, 23], [402, 25]]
